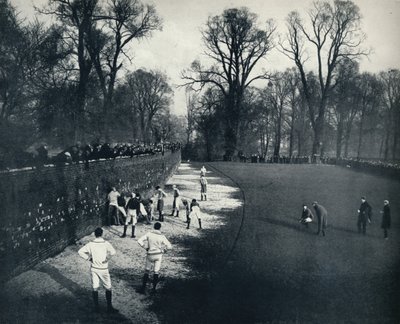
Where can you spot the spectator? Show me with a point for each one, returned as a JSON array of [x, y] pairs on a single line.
[[322, 216], [364, 215], [386, 218]]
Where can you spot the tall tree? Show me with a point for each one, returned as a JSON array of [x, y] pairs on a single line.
[[151, 95], [391, 102], [117, 25], [236, 44], [334, 34], [371, 91], [76, 17]]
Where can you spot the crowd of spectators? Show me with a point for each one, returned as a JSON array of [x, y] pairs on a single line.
[[369, 165], [80, 153]]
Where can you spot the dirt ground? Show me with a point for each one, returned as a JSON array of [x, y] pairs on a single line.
[[58, 290]]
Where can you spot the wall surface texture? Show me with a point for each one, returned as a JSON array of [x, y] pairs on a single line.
[[42, 211]]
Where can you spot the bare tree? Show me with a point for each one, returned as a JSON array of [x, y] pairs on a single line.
[[117, 25], [76, 18], [151, 95], [371, 97], [335, 34], [236, 44], [391, 102]]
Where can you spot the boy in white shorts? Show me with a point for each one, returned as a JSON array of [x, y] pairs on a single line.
[[99, 252], [156, 244]]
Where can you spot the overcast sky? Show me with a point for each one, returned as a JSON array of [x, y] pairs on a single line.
[[179, 43]]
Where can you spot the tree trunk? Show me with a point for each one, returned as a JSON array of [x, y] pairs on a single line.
[[360, 134], [291, 136], [318, 135], [339, 139]]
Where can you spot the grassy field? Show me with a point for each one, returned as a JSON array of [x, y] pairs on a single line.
[[282, 272]]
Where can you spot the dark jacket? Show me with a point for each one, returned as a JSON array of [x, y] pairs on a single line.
[[134, 204], [365, 211], [386, 217], [306, 213], [322, 214]]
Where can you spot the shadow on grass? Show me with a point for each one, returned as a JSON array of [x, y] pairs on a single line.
[[55, 308]]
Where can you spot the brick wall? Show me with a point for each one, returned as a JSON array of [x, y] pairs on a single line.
[[42, 211]]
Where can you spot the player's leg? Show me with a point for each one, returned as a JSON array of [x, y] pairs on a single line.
[[106, 280], [95, 293]]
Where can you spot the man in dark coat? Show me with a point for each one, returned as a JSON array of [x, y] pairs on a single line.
[[322, 216], [386, 219], [364, 215]]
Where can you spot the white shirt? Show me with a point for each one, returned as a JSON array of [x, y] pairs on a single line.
[[97, 250], [160, 194], [156, 242], [113, 198]]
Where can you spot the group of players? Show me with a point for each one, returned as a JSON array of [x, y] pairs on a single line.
[[99, 251], [364, 217]]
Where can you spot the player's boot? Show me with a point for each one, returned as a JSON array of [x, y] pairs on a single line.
[[95, 295], [155, 281], [125, 228], [145, 278], [133, 231], [188, 224], [110, 308], [200, 224], [177, 213]]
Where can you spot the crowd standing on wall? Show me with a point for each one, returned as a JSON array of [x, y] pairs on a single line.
[[82, 153]]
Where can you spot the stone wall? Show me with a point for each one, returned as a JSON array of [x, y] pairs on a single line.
[[42, 211]]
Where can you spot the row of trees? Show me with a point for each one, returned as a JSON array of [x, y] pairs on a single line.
[[323, 105], [68, 82]]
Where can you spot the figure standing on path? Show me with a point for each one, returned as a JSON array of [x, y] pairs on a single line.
[[322, 216], [135, 208], [176, 202], [160, 203], [194, 212], [187, 209], [386, 218], [203, 171], [99, 252], [156, 244], [306, 216], [203, 190], [113, 208], [364, 215]]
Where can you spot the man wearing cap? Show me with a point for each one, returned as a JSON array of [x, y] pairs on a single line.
[[156, 244], [99, 252], [364, 215], [322, 216]]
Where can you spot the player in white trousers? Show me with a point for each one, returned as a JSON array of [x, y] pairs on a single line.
[[156, 244], [99, 252]]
